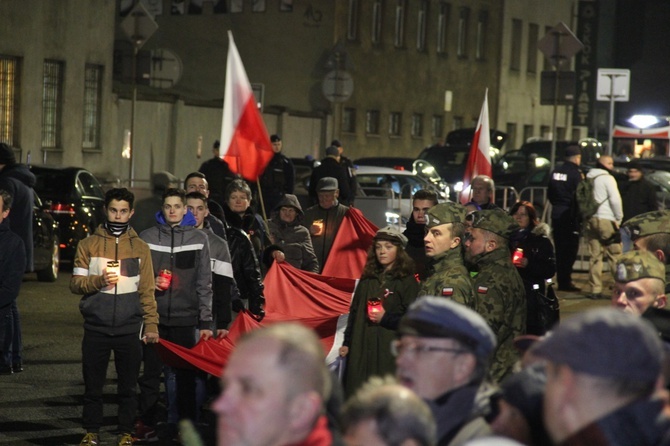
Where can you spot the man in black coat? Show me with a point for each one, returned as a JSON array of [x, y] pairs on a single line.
[[218, 175], [278, 178], [565, 219], [331, 167]]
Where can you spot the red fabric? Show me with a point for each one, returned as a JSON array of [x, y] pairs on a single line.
[[479, 161], [320, 435], [349, 252]]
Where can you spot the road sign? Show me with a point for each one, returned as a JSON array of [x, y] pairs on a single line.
[[166, 69], [559, 45], [139, 25], [614, 82], [338, 86]]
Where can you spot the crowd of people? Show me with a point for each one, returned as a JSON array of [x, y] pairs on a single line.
[[452, 336]]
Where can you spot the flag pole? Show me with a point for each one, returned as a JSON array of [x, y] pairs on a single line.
[[260, 198]]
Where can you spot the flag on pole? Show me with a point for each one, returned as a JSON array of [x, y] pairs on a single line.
[[245, 144], [479, 160]]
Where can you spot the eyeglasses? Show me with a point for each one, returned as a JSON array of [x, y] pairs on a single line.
[[397, 348]]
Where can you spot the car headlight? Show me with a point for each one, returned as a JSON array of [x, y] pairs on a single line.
[[392, 218]]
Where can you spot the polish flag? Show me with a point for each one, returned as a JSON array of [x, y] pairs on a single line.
[[479, 161], [245, 144]]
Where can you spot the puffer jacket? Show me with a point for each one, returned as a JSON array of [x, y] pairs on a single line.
[[115, 309], [246, 270], [183, 250]]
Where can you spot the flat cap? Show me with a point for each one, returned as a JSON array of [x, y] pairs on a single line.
[[444, 213], [635, 265], [327, 184], [605, 342], [332, 151], [494, 220], [437, 317], [392, 234], [649, 223], [572, 151]]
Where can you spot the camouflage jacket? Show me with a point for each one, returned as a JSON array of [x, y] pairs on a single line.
[[501, 300], [448, 277]]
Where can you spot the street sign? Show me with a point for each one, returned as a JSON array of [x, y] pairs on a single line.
[[613, 82], [338, 86], [559, 45], [565, 89], [166, 68], [139, 25]]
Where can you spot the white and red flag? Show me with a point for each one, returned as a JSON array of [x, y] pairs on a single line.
[[245, 144], [479, 160]]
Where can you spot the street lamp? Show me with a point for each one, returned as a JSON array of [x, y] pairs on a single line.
[[643, 121]]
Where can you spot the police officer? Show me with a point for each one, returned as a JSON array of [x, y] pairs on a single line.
[[447, 275], [278, 178], [651, 232], [499, 290], [565, 220]]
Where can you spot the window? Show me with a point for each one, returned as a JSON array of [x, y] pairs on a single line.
[[92, 106], [545, 131], [399, 40], [442, 20], [352, 20], [421, 26], [236, 5], [511, 134], [515, 48], [52, 104], [482, 24], [527, 132], [457, 123], [377, 13], [394, 123], [576, 134], [9, 100], [417, 124], [437, 127], [533, 36], [547, 63], [286, 5], [463, 19], [258, 5], [349, 120], [372, 122], [560, 133]]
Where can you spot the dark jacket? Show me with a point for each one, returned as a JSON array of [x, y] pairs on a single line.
[[252, 224], [637, 198], [246, 270], [218, 176], [277, 179], [11, 265], [19, 181], [183, 250], [291, 238], [331, 168], [368, 342], [416, 247], [456, 415], [122, 308], [561, 189], [331, 219]]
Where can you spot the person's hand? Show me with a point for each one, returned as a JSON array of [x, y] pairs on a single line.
[[110, 278], [162, 283], [278, 256], [221, 333], [315, 230], [377, 316], [344, 350], [258, 315], [238, 305], [150, 338], [521, 263], [205, 334]]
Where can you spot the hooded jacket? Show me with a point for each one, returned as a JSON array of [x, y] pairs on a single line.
[[11, 270], [19, 181], [183, 250], [606, 192], [122, 308]]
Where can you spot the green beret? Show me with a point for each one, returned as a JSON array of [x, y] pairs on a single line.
[[649, 223], [444, 213], [635, 265], [496, 221]]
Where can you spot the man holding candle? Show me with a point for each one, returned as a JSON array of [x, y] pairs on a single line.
[[113, 271]]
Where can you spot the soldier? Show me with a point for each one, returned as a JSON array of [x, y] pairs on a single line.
[[499, 290], [651, 232], [447, 275], [639, 282]]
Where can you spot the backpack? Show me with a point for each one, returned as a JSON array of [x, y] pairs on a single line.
[[586, 201]]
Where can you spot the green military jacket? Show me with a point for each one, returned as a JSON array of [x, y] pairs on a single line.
[[448, 277], [501, 300]]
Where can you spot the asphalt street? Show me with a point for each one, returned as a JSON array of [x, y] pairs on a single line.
[[42, 405]]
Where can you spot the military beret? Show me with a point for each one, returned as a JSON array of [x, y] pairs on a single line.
[[391, 234], [494, 220], [635, 265], [605, 342], [437, 317], [649, 223], [444, 213]]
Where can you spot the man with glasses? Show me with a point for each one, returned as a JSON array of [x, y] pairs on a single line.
[[443, 355], [651, 232]]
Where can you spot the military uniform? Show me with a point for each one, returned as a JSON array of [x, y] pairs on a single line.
[[650, 223], [499, 291]]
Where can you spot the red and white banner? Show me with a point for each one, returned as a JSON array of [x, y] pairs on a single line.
[[245, 144], [479, 161], [350, 248]]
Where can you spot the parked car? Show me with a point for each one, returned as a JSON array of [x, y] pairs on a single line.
[[76, 201], [46, 248], [418, 167]]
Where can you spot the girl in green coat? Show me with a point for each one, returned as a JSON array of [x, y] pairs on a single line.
[[383, 295]]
